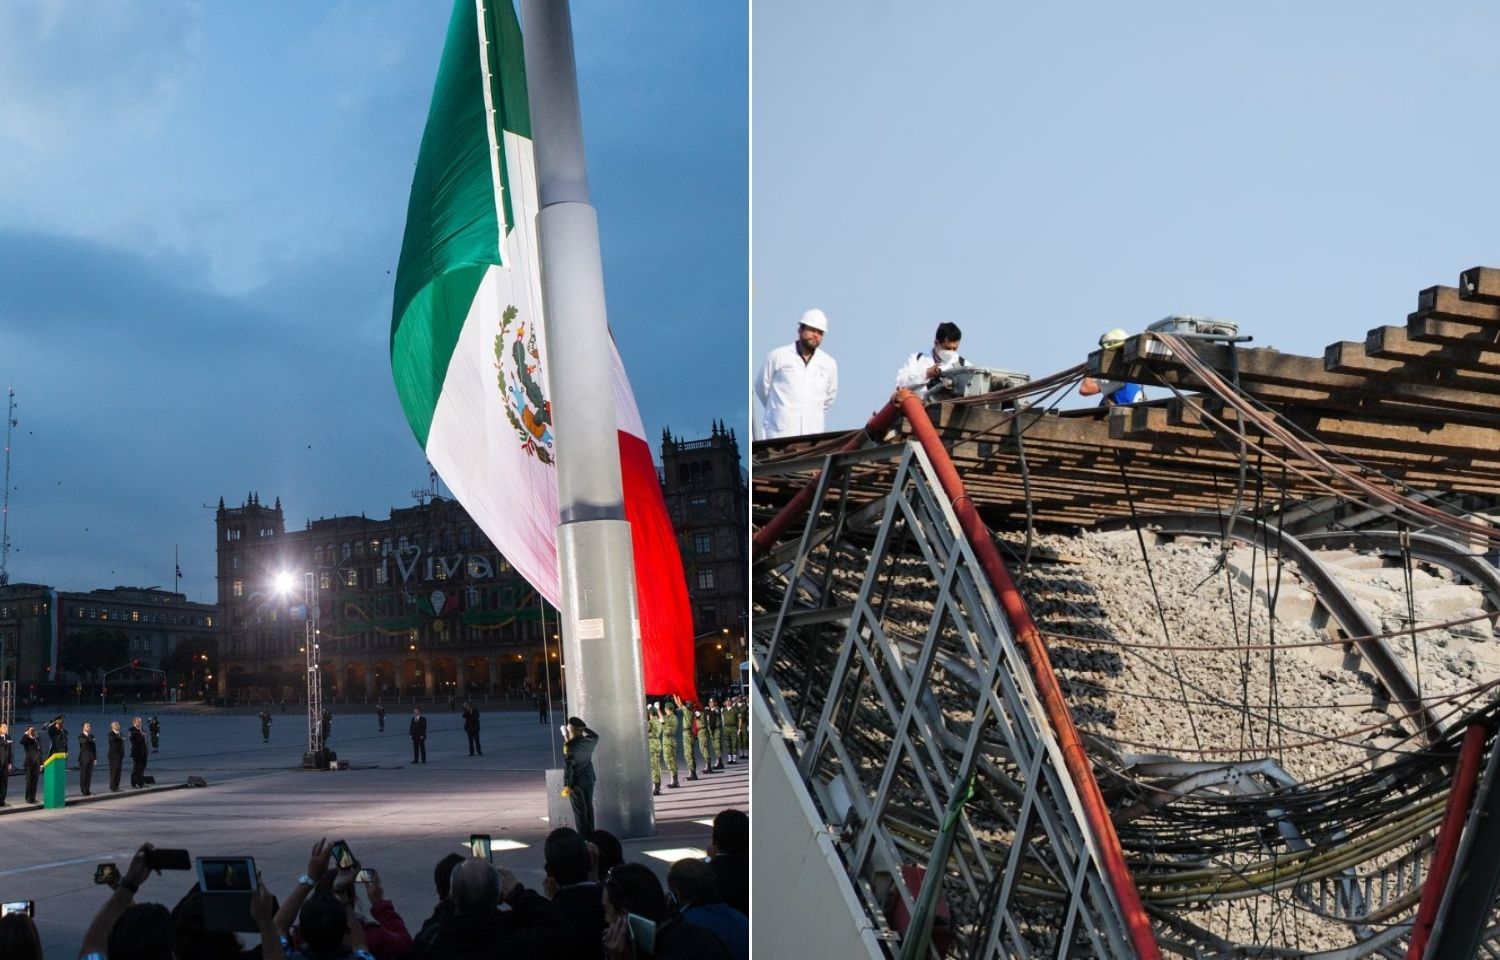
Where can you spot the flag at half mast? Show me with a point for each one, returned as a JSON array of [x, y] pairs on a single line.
[[468, 350]]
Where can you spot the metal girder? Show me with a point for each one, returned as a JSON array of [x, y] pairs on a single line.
[[903, 685]]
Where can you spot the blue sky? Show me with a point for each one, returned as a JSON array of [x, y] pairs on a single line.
[[201, 208], [1040, 173]]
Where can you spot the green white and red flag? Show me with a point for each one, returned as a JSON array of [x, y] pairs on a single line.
[[468, 345]]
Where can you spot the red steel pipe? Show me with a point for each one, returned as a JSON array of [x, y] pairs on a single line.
[[766, 537], [1460, 795], [1116, 871]]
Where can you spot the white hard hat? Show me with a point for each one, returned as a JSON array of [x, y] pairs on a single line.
[[816, 319], [1113, 338]]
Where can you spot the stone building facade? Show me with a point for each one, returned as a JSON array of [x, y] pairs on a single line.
[[417, 604], [32, 616], [707, 498]]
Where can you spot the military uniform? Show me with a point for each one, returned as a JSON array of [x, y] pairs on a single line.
[[696, 743], [155, 727], [653, 746], [731, 715], [714, 752], [265, 727], [742, 734], [667, 745], [578, 776]]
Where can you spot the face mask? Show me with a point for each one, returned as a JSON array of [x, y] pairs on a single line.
[[945, 356]]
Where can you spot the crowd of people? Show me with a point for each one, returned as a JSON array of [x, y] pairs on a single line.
[[592, 906]]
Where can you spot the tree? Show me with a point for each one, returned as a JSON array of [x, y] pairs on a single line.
[[94, 651]]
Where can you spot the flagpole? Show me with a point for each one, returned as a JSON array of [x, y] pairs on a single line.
[[598, 615]]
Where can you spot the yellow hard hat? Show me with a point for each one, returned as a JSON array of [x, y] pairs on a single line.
[[1113, 338]]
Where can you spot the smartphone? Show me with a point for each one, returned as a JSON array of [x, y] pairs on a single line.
[[227, 884], [364, 876], [107, 873], [343, 857], [479, 846], [171, 859], [27, 907], [642, 933]]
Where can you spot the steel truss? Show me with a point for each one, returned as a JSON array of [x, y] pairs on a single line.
[[915, 724]]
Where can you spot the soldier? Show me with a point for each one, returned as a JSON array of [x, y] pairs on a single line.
[[653, 746], [325, 727], [716, 734], [57, 736], [88, 755], [667, 745], [690, 717], [380, 716], [742, 735], [702, 722], [7, 758], [578, 773], [731, 728], [155, 727], [265, 727]]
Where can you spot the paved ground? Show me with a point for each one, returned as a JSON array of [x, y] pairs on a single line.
[[397, 818]]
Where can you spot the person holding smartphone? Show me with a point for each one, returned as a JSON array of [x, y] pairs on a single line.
[[578, 772]]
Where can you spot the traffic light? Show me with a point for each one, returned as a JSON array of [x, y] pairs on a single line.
[[135, 664]]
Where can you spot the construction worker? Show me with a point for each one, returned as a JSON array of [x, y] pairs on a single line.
[[922, 369], [1114, 392], [667, 745], [798, 382], [653, 745]]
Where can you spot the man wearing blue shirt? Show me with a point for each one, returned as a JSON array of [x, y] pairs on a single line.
[[1114, 392]]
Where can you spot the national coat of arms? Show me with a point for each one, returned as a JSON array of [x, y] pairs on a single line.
[[518, 365]]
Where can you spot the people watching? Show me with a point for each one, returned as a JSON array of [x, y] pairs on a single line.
[[573, 892], [442, 875], [482, 911], [729, 858], [18, 938], [606, 851], [693, 892], [477, 928], [631, 888]]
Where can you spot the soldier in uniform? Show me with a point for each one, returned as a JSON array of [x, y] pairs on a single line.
[[653, 746], [33, 754], [265, 726], [731, 729], [155, 727], [742, 735], [380, 716], [325, 727], [715, 718], [578, 773], [88, 755], [667, 745], [700, 736], [690, 737], [116, 755], [7, 759]]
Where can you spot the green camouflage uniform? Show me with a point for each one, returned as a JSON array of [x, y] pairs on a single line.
[[742, 734], [702, 739], [731, 731], [715, 752], [667, 744], [653, 745]]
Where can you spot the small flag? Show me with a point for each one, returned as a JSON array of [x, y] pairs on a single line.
[[179, 573]]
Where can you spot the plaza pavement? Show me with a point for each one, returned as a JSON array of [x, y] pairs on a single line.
[[398, 819]]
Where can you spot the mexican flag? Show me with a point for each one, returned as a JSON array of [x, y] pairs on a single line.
[[468, 347]]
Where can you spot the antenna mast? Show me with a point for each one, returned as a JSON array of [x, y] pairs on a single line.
[[10, 422]]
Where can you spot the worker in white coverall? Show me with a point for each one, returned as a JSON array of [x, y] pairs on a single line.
[[922, 369], [798, 382]]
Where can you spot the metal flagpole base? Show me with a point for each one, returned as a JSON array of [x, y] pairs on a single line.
[[602, 660]]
